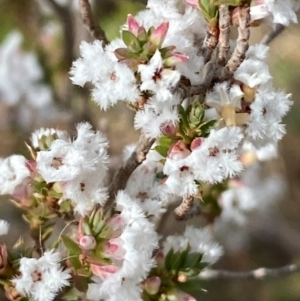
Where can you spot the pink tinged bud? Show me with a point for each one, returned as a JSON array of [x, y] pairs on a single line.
[[258, 10], [169, 129], [178, 151], [133, 25], [23, 192], [236, 184], [104, 271], [151, 285], [180, 296], [175, 59], [31, 165], [160, 259], [114, 249], [116, 224], [79, 229], [193, 3], [87, 242], [159, 34], [196, 143]]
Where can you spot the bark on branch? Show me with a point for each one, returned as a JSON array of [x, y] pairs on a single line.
[[184, 208], [87, 17], [122, 175], [224, 23], [258, 274], [242, 45]]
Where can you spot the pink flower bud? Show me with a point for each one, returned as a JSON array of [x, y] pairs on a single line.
[[23, 193], [180, 296], [258, 10], [178, 151], [168, 129], [104, 271], [175, 59], [114, 248], [196, 143], [116, 224], [236, 184], [160, 259], [87, 242], [31, 165], [152, 285], [158, 35], [133, 25], [193, 3]]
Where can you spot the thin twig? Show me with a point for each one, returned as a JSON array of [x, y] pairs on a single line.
[[258, 274], [122, 175], [268, 38], [242, 45], [184, 208], [87, 17], [224, 22], [210, 43]]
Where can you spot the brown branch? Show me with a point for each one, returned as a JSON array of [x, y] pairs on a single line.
[[242, 45], [210, 42], [122, 175], [268, 38], [224, 22], [213, 73], [87, 17], [183, 210], [258, 274]]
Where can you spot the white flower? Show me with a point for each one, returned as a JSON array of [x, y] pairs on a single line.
[[139, 240], [41, 279], [222, 95], [4, 227], [218, 156], [266, 115], [157, 79], [282, 11], [81, 165], [144, 187], [154, 115], [13, 172], [257, 52], [14, 63], [38, 134], [253, 73], [199, 240], [111, 79]]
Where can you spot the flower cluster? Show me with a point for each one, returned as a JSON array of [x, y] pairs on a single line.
[[201, 127]]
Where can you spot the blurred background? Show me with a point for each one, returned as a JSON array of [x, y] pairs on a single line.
[[39, 39]]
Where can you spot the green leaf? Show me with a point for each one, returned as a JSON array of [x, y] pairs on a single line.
[[71, 245], [190, 272], [166, 141], [191, 287], [131, 41], [75, 262], [192, 260], [202, 265], [178, 261], [98, 228], [162, 150], [206, 127], [168, 260]]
